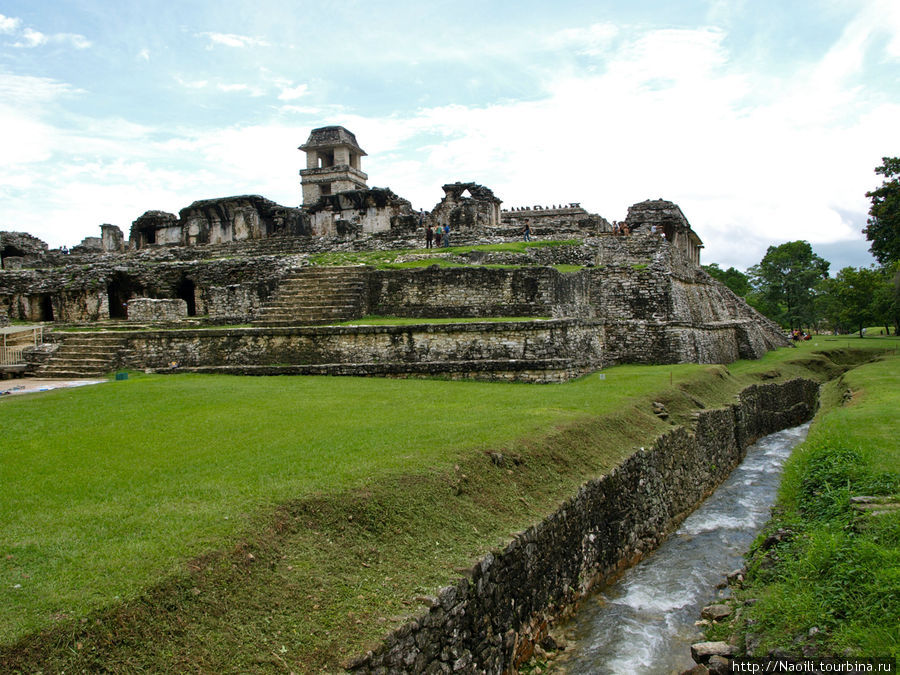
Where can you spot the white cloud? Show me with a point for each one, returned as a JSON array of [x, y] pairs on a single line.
[[30, 38], [9, 24], [191, 84], [593, 40], [300, 109], [232, 87], [292, 93], [233, 40], [144, 54], [77, 41]]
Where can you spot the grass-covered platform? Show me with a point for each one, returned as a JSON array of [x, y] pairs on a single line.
[[217, 523]]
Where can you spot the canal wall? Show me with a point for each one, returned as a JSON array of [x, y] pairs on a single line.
[[490, 620]]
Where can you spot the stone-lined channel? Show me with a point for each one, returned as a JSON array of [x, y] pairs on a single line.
[[645, 623]]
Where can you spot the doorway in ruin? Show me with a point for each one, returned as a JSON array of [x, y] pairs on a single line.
[[45, 306], [9, 252], [187, 291], [119, 290]]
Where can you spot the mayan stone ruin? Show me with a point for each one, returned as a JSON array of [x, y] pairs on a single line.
[[244, 285]]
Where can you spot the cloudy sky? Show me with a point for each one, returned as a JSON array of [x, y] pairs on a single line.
[[763, 119]]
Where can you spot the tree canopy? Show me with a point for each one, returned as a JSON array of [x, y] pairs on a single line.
[[884, 217], [736, 280], [786, 279]]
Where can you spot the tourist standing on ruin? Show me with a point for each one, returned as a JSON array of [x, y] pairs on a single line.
[[446, 236], [526, 233], [429, 235], [437, 236]]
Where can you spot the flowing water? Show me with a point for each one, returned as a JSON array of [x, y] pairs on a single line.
[[645, 623]]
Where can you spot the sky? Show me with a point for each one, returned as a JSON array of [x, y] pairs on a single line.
[[762, 119]]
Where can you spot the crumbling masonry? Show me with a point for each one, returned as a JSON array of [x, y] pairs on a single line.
[[247, 260]]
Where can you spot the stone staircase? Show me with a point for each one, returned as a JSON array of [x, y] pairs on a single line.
[[84, 355], [316, 295]]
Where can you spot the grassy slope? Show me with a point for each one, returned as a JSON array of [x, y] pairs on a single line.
[[833, 585], [436, 256], [114, 495]]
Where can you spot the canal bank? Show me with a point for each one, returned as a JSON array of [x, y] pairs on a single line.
[[491, 620], [823, 578], [645, 623]]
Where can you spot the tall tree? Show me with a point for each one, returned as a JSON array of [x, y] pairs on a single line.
[[736, 280], [828, 304], [786, 280], [855, 290], [884, 217], [886, 302]]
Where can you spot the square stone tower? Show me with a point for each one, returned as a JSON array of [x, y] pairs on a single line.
[[332, 164]]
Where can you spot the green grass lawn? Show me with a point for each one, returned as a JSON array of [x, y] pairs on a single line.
[[125, 500]]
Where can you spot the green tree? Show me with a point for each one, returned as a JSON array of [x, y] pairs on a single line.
[[855, 293], [828, 304], [736, 280], [886, 303], [884, 217], [786, 280]]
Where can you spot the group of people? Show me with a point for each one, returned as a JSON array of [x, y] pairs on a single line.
[[621, 229], [797, 335], [437, 236]]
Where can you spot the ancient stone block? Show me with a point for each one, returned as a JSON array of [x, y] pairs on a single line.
[[150, 309]]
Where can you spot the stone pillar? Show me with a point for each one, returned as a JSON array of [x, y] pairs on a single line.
[[111, 238]]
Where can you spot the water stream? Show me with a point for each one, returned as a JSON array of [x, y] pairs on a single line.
[[645, 623]]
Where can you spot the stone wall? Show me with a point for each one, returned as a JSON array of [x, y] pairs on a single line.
[[529, 351], [150, 309], [215, 221], [78, 292], [490, 619], [566, 219], [361, 212], [466, 207], [20, 248], [476, 292], [660, 308]]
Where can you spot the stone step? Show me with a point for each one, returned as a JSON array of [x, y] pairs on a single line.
[[72, 374], [514, 369], [315, 282], [306, 293], [296, 285], [80, 363], [315, 295], [84, 350], [83, 342], [309, 306], [306, 316], [83, 355]]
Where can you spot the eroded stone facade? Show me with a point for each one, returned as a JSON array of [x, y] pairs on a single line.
[[224, 260], [466, 207]]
